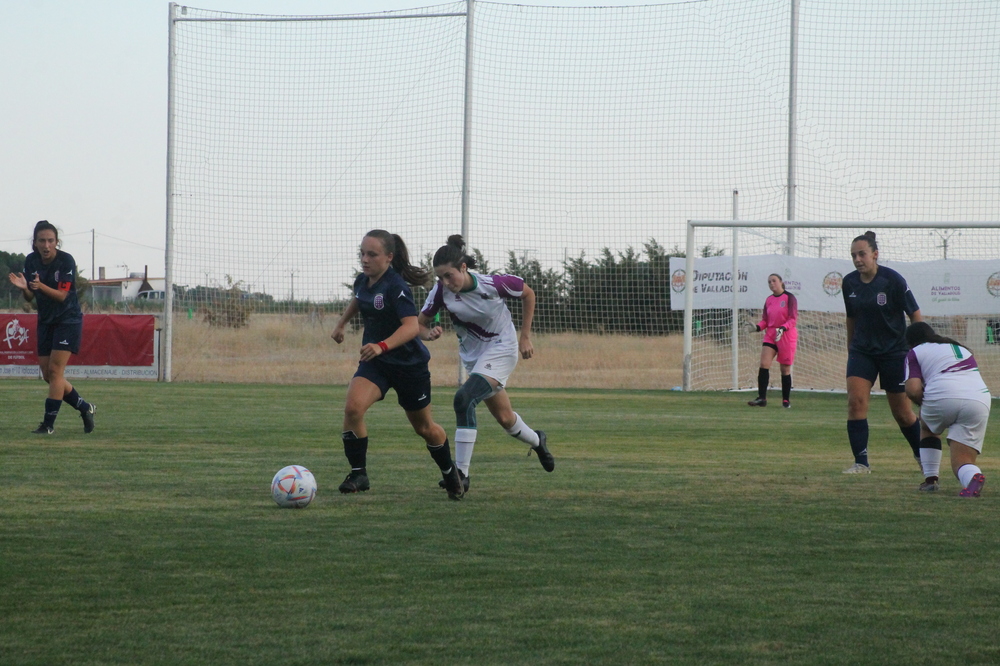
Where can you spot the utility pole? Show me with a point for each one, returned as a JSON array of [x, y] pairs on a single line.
[[944, 236], [820, 240]]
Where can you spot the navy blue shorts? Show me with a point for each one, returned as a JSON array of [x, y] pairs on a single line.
[[890, 370], [412, 383], [59, 337]]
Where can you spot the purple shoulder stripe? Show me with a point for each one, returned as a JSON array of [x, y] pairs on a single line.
[[913, 370], [508, 286], [964, 364]]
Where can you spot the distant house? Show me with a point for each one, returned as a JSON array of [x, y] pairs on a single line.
[[136, 285]]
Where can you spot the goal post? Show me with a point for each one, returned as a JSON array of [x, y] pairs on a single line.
[[952, 267]]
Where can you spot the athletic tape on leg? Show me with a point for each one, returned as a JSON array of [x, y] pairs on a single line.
[[473, 391]]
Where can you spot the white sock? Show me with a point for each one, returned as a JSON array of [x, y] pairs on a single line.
[[930, 461], [521, 431], [465, 440], [965, 474]]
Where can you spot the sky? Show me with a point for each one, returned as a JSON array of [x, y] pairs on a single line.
[[84, 101], [83, 112]]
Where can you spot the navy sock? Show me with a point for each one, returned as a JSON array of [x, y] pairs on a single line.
[[763, 379], [912, 435], [931, 442], [356, 449], [51, 411], [442, 455], [857, 433], [786, 387], [74, 400]]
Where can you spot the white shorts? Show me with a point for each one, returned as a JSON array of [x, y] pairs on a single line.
[[496, 362], [964, 419]]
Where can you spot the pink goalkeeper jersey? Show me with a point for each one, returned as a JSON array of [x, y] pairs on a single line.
[[480, 315], [780, 310]]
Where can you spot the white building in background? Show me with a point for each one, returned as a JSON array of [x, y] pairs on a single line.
[[136, 285]]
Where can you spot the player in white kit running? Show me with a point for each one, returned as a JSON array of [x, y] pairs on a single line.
[[943, 378], [489, 345]]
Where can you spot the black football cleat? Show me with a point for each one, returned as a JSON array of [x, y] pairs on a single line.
[[465, 482], [542, 450], [453, 483], [356, 482], [88, 418]]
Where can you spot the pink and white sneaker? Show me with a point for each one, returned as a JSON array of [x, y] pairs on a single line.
[[975, 486]]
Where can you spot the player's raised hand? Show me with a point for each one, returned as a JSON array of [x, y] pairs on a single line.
[[18, 280]]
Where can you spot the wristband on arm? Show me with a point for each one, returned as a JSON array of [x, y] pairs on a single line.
[[384, 347]]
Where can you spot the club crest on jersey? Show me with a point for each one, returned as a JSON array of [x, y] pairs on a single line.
[[379, 301], [881, 298], [57, 276]]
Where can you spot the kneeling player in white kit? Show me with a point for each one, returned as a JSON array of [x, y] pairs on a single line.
[[489, 346], [943, 378]]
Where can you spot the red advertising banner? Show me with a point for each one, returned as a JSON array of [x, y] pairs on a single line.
[[112, 340]]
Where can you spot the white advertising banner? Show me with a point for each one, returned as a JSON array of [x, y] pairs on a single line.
[[942, 287]]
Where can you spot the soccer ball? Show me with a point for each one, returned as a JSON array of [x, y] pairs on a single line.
[[293, 487]]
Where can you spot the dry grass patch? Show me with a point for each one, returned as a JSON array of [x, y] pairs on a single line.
[[290, 349]]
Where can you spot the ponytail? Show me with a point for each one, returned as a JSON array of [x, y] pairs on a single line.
[[920, 332], [394, 245], [454, 254]]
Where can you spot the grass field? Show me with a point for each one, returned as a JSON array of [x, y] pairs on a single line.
[[677, 528]]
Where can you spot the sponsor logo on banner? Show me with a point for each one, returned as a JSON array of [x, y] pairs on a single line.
[[881, 298], [15, 333], [993, 285], [832, 283], [677, 280], [947, 291], [379, 302]]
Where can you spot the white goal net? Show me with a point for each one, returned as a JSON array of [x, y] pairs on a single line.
[[570, 145], [953, 270]]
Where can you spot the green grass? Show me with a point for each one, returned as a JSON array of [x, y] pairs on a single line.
[[676, 528]]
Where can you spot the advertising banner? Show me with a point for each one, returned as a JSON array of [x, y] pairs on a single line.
[[112, 346], [943, 287]]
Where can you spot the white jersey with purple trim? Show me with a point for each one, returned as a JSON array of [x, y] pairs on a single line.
[[948, 371], [479, 315]]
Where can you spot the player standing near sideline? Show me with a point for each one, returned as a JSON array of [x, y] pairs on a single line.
[[877, 302], [943, 378], [489, 346], [391, 357], [52, 279], [781, 310]]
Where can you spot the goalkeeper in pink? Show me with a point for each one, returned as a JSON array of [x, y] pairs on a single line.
[[780, 339]]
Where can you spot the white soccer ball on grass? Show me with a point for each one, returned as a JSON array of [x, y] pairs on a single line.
[[293, 487]]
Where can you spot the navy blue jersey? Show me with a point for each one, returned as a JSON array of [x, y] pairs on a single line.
[[382, 306], [61, 275], [879, 310]]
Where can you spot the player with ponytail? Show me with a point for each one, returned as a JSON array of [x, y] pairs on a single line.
[[877, 301], [392, 356], [489, 346]]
